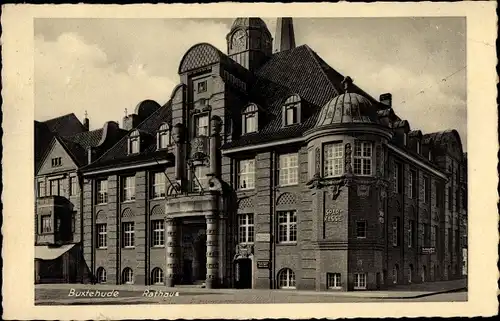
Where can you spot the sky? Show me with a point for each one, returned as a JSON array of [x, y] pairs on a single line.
[[104, 66]]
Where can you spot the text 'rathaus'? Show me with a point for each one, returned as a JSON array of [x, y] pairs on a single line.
[[266, 168]]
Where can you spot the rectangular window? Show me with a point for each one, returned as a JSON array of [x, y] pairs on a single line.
[[46, 223], [359, 281], [158, 233], [311, 168], [56, 187], [287, 226], [134, 145], [158, 185], [427, 189], [128, 193], [40, 189], [450, 198], [288, 169], [246, 174], [333, 280], [202, 86], [56, 162], [102, 236], [201, 123], [128, 234], [199, 178], [413, 184], [164, 139], [102, 191], [245, 228], [291, 115], [398, 178], [333, 158], [362, 158], [439, 194], [395, 231], [361, 229], [433, 235], [411, 233], [73, 186], [250, 123]]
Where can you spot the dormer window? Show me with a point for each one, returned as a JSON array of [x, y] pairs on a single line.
[[430, 155], [405, 139], [418, 147], [134, 142], [201, 125], [291, 111], [163, 137], [250, 119]]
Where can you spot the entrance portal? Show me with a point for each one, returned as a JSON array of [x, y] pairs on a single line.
[[194, 253], [243, 273]]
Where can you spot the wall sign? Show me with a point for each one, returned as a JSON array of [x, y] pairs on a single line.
[[428, 250], [333, 215], [263, 237], [263, 264]]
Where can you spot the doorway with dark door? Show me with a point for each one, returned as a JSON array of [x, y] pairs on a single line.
[[243, 273], [200, 246]]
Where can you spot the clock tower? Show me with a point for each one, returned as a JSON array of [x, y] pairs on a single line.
[[249, 42]]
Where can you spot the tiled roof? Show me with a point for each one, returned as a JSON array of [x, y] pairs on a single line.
[[43, 137], [65, 125], [78, 144], [119, 152]]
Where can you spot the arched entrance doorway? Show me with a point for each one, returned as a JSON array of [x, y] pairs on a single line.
[[243, 275]]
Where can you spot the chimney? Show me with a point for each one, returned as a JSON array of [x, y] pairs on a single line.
[[131, 121], [386, 99], [284, 37]]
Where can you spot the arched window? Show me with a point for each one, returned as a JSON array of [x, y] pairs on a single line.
[[127, 276], [163, 136], [134, 142], [286, 279], [101, 275], [395, 272], [291, 111], [250, 119], [157, 276]]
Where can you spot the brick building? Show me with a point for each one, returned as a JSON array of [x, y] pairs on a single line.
[[269, 169]]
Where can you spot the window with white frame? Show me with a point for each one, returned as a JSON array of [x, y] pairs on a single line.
[[102, 191], [199, 178], [250, 123], [287, 226], [201, 125], [395, 231], [134, 142], [405, 138], [361, 229], [127, 276], [291, 110], [73, 187], [288, 169], [412, 184], [157, 276], [333, 158], [333, 281], [163, 136], [157, 233], [286, 279], [245, 228], [158, 185], [56, 187], [395, 271], [291, 114], [246, 174], [40, 189], [362, 158], [359, 281], [128, 234], [128, 192], [101, 275], [46, 223], [102, 235], [411, 233], [418, 147]]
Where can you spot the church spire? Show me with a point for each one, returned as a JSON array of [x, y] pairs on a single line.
[[285, 37]]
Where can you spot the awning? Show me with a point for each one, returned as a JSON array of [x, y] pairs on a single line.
[[45, 252]]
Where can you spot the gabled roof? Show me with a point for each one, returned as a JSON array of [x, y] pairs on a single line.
[[78, 144], [65, 125], [43, 137], [119, 152]]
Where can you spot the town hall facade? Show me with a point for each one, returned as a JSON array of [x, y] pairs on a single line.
[[267, 169]]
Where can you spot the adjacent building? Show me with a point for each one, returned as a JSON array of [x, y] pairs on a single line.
[[267, 168]]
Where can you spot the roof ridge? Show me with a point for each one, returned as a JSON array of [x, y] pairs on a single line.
[[62, 116]]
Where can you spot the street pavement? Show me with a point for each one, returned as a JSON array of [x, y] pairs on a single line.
[[79, 294]]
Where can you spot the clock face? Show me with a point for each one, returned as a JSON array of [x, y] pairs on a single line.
[[239, 41]]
